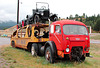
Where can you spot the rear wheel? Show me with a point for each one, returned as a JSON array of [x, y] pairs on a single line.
[[49, 55], [39, 49], [13, 44], [34, 50], [54, 18]]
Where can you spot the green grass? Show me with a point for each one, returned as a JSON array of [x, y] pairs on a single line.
[[97, 37], [20, 58]]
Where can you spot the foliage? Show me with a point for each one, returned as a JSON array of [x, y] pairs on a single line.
[[93, 21], [97, 37], [97, 26], [4, 28]]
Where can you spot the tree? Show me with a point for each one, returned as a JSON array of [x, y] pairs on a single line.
[[76, 17], [86, 18], [98, 16], [83, 15], [90, 23], [97, 26], [80, 19], [71, 17]]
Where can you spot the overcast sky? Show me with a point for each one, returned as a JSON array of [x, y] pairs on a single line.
[[63, 8]]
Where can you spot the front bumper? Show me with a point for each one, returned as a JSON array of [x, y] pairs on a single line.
[[62, 54]]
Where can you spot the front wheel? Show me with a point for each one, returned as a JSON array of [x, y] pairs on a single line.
[[83, 58], [49, 55], [36, 18]]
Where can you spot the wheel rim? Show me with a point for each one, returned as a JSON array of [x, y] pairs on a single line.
[[32, 50], [48, 55]]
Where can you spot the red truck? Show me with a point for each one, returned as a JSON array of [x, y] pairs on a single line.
[[67, 39]]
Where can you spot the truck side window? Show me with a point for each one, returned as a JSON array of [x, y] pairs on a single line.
[[58, 29]]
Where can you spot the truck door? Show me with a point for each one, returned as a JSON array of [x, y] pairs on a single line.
[[58, 37]]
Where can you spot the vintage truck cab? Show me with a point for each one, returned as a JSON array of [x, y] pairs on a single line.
[[69, 39]]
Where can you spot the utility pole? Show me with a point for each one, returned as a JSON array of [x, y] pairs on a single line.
[[18, 13]]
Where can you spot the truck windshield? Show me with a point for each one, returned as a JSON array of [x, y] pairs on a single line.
[[75, 30]]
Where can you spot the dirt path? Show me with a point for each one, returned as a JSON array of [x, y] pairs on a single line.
[[94, 41], [94, 34]]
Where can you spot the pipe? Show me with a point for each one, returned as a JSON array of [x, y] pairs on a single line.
[[18, 13]]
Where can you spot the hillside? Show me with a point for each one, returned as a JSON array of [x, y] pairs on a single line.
[[6, 24], [8, 31]]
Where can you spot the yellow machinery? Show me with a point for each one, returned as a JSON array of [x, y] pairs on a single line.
[[25, 36]]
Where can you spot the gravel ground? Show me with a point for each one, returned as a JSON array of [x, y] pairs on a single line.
[[4, 41]]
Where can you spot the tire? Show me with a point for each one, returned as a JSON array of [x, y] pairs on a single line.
[[36, 18], [39, 49], [13, 44], [82, 58], [49, 55], [34, 49], [55, 18]]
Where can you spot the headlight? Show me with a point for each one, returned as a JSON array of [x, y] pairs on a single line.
[[67, 49]]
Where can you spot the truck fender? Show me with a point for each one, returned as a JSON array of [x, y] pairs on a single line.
[[53, 47]]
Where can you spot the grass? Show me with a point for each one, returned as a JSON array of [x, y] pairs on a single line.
[[20, 58], [97, 37]]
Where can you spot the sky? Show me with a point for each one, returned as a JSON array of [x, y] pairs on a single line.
[[64, 8]]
